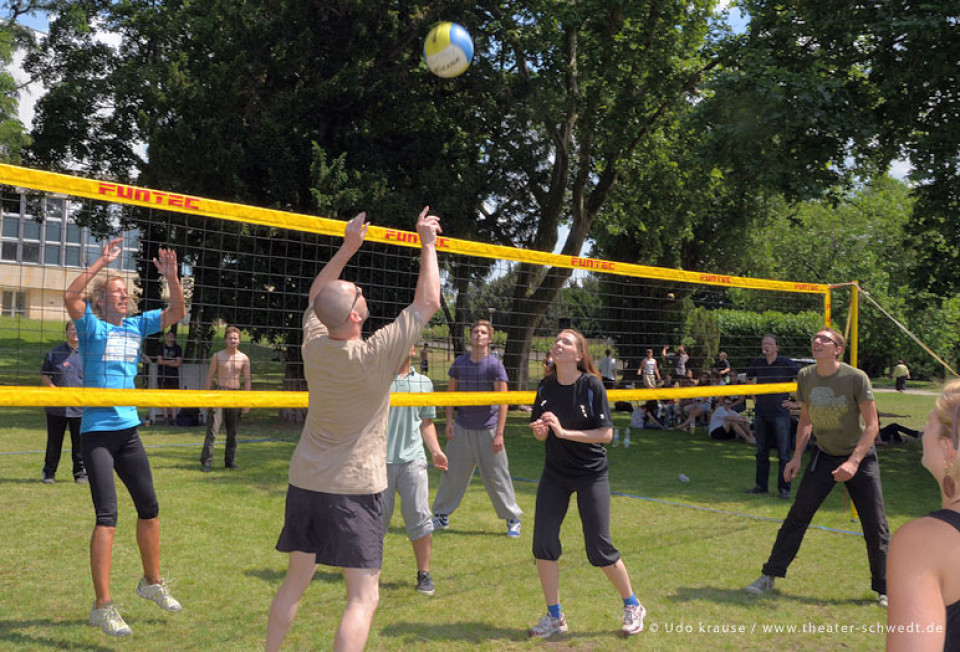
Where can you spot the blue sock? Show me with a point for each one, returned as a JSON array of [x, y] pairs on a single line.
[[631, 601], [554, 610]]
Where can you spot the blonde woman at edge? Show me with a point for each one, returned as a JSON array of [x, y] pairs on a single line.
[[923, 575], [110, 346]]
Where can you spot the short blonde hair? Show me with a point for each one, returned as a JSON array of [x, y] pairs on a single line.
[[98, 295]]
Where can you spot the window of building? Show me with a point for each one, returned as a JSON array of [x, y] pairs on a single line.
[[14, 303], [57, 240]]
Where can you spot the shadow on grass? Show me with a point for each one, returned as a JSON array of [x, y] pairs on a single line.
[[740, 597], [461, 631], [17, 640], [277, 576]]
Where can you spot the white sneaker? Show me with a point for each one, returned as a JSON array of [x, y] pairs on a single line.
[[109, 620], [633, 616], [882, 600], [548, 626], [513, 527], [159, 593]]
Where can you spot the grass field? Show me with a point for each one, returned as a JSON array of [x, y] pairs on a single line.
[[690, 549]]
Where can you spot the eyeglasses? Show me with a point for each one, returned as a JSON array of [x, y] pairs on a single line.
[[353, 305], [823, 339]]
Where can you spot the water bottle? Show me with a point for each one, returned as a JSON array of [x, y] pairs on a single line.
[[626, 437], [616, 436], [684, 478]]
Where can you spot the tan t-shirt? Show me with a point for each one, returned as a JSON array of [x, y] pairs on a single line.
[[342, 448], [833, 404]]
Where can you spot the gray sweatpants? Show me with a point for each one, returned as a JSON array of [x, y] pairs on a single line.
[[467, 450], [410, 481]]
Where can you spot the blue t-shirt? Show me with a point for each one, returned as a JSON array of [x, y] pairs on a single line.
[[110, 358], [781, 370], [65, 369], [477, 377]]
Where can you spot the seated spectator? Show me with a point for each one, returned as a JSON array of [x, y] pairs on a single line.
[[890, 433], [727, 424], [645, 417], [696, 408], [738, 403]]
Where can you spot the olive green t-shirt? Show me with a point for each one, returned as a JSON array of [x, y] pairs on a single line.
[[833, 405]]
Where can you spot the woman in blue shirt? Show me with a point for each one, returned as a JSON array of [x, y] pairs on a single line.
[[110, 343]]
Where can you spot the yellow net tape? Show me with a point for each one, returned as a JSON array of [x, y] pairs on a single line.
[[146, 197], [147, 398]]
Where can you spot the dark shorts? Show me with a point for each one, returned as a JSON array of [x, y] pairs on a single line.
[[342, 530], [720, 433], [168, 383]]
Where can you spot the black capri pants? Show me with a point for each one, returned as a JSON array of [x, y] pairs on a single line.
[[107, 450], [593, 503]]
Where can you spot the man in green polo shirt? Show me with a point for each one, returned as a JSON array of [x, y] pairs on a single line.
[[408, 429], [836, 402]]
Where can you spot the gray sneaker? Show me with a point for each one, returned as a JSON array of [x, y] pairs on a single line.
[[882, 600], [424, 583], [763, 584], [108, 619], [159, 593]]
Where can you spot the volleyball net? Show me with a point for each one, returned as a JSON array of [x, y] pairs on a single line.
[[252, 267]]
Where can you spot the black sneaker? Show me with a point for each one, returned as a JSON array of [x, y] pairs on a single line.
[[46, 479], [755, 490], [205, 467], [424, 583]]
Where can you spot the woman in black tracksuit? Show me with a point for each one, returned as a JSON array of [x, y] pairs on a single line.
[[572, 417]]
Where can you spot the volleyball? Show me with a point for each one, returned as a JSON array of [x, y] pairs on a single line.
[[448, 50]]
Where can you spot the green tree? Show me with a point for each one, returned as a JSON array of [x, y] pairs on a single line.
[[13, 134], [819, 94], [860, 238]]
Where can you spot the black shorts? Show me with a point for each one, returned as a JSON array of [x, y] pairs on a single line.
[[720, 433], [165, 382], [343, 530]]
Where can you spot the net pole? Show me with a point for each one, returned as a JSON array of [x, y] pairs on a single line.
[[827, 317], [854, 354], [854, 324]]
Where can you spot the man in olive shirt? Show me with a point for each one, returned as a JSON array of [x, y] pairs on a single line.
[[836, 400], [338, 470]]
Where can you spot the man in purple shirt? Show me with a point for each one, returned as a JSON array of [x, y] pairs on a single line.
[[476, 438]]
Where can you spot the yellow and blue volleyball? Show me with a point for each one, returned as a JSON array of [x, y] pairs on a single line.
[[448, 50]]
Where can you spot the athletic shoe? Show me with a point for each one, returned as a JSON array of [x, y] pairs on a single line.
[[633, 616], [159, 593], [205, 467], [763, 584], [81, 479], [109, 620], [882, 600], [424, 583], [441, 521], [548, 626], [46, 479], [755, 490], [784, 494], [513, 527]]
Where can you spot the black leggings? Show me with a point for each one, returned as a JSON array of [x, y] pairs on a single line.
[[107, 450], [593, 502]]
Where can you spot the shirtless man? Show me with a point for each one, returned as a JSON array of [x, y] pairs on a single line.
[[229, 366]]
